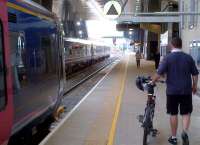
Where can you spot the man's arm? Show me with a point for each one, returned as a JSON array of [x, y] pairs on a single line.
[[195, 73], [195, 82], [162, 69]]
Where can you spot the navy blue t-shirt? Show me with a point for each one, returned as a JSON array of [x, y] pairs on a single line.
[[179, 68]]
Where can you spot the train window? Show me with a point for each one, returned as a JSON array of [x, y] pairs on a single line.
[[48, 52], [195, 51], [2, 72], [34, 72]]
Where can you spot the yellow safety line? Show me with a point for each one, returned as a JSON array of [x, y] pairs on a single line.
[[117, 109], [14, 6]]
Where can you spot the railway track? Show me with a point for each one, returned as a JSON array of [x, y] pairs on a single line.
[[81, 78], [84, 75]]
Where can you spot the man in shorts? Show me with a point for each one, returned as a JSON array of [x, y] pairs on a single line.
[[182, 78]]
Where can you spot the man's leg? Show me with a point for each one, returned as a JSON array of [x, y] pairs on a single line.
[[139, 63], [186, 122], [186, 110], [157, 64], [172, 109], [174, 124]]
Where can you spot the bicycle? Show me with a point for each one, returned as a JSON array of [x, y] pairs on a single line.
[[143, 83]]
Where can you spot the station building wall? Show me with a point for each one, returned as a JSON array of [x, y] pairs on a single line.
[[190, 31], [190, 25]]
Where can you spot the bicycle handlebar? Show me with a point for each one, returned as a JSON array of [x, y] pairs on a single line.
[[149, 79], [143, 83]]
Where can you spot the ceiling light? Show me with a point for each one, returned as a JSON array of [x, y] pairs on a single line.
[[78, 23], [80, 32], [191, 26]]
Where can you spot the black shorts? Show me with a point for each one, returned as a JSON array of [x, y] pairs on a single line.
[[182, 103]]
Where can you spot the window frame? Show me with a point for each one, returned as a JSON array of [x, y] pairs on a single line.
[[4, 67]]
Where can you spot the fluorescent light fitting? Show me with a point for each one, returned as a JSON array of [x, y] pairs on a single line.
[[80, 32], [130, 32], [78, 23]]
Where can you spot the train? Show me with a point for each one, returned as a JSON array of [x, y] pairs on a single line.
[[34, 58], [79, 53], [34, 65]]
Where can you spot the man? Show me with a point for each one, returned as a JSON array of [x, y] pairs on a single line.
[[138, 57], [157, 59], [182, 78]]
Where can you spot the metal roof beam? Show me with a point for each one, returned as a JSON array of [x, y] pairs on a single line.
[[155, 17], [148, 19], [124, 5]]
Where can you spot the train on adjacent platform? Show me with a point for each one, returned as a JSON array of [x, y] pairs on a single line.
[[33, 62], [80, 53]]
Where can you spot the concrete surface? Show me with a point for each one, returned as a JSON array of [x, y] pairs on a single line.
[[91, 122]]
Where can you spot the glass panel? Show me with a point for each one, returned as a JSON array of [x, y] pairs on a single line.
[[2, 72], [195, 52], [35, 73]]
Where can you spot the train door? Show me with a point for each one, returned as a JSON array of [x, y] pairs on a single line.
[[6, 107]]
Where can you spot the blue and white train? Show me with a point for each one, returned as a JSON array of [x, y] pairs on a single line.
[[38, 61]]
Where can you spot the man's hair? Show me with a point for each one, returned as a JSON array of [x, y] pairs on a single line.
[[176, 42]]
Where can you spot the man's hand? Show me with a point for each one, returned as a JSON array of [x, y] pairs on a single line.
[[152, 83], [194, 89], [194, 85], [155, 78]]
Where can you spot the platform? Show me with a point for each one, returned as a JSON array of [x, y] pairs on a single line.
[[108, 113]]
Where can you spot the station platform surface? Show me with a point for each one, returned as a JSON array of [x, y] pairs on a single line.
[[108, 113]]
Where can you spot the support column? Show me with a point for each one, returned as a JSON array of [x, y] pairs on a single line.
[[170, 31], [57, 8]]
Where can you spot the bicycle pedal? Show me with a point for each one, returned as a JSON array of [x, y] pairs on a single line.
[[140, 118]]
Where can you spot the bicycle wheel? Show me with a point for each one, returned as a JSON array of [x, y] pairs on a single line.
[[147, 125], [145, 136]]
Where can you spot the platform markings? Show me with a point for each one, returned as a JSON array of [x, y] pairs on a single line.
[[117, 108], [75, 108]]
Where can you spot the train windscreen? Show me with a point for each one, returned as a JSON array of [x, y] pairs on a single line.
[[2, 71]]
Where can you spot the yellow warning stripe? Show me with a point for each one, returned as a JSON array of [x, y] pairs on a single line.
[[25, 10], [117, 108]]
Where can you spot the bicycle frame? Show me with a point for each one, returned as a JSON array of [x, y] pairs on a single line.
[[149, 112], [143, 84]]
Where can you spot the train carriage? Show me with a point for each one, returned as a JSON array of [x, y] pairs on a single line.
[[81, 53], [35, 56], [32, 70], [6, 106]]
